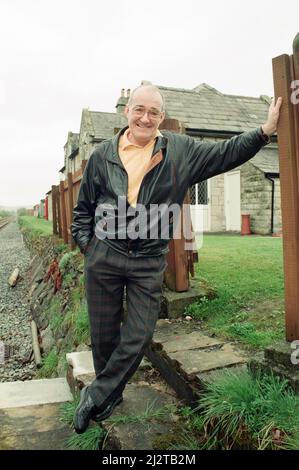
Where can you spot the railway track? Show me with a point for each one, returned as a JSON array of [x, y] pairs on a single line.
[[5, 221]]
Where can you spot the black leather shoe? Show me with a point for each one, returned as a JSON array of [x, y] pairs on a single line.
[[84, 411], [100, 416]]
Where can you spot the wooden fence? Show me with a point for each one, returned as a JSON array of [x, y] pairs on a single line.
[[64, 198]]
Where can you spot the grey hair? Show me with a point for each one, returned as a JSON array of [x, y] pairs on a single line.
[[150, 87]]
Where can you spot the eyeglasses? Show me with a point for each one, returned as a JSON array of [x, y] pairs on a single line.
[[152, 113]]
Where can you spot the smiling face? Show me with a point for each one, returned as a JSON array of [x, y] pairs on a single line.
[[144, 114]]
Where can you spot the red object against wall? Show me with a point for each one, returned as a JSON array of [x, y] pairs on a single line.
[[46, 208], [245, 229]]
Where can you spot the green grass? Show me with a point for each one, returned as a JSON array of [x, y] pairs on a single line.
[[76, 316], [4, 213], [93, 436], [53, 312], [66, 261], [90, 440], [81, 323], [67, 409], [49, 365], [67, 280], [242, 411], [247, 273], [36, 226], [148, 414]]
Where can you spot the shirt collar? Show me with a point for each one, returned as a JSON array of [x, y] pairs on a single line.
[[125, 143]]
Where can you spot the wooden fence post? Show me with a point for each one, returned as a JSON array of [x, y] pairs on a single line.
[[54, 210], [285, 71], [180, 260], [59, 212]]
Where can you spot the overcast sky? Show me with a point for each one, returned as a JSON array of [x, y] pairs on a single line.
[[60, 56]]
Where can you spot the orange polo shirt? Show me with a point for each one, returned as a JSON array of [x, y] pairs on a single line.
[[136, 160]]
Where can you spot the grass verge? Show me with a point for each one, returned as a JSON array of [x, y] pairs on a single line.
[[247, 274], [36, 225], [241, 411]]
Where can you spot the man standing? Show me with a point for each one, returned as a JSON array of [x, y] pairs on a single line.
[[131, 174]]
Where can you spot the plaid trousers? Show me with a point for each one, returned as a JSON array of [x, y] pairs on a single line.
[[118, 346]]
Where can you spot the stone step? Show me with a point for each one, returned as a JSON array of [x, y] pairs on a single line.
[[182, 354], [34, 392], [185, 356], [80, 371], [174, 303], [132, 426], [135, 424], [33, 428]]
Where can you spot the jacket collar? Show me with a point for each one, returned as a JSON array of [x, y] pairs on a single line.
[[161, 143]]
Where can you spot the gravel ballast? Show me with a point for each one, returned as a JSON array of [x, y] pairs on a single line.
[[15, 316]]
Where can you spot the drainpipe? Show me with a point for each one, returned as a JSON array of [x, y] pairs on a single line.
[[270, 177]]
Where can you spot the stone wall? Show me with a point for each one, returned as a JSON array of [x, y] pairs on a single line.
[[49, 306], [277, 207], [256, 193]]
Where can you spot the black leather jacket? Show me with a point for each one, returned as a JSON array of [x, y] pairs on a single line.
[[178, 162]]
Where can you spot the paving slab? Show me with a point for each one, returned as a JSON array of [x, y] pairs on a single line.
[[196, 360], [167, 329], [189, 342], [33, 428], [180, 351], [175, 303], [185, 357], [34, 392], [141, 430]]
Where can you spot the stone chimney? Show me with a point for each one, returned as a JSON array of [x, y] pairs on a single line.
[[122, 101]]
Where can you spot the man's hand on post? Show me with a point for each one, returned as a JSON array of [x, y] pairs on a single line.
[[270, 125]]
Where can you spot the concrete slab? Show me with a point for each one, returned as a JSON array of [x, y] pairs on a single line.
[[188, 342], [167, 330], [34, 392], [139, 433], [33, 428], [195, 361], [176, 302], [81, 363]]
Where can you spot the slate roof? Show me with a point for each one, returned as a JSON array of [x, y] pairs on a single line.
[[203, 108], [105, 123], [206, 108], [267, 159]]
